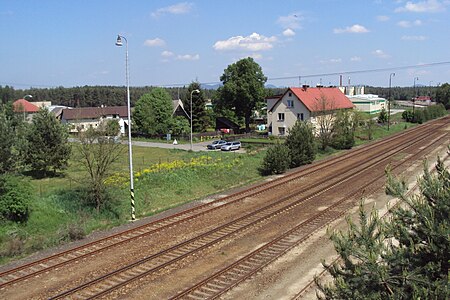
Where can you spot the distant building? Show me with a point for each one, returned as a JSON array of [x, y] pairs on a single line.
[[28, 109], [80, 119], [305, 104], [368, 103]]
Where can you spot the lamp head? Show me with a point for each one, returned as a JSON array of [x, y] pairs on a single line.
[[119, 41], [196, 91]]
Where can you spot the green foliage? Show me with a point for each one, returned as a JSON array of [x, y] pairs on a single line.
[[276, 161], [180, 125], [300, 143], [15, 198], [200, 119], [242, 90], [423, 115], [404, 257], [343, 131], [10, 138], [111, 127], [97, 154], [443, 95], [153, 112], [47, 145], [383, 117]]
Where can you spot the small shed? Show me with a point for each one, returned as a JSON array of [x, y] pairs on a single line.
[[223, 123]]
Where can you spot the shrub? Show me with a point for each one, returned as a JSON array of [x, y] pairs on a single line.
[[276, 161], [300, 141], [15, 198]]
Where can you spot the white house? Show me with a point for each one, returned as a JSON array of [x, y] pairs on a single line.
[[80, 119], [306, 104]]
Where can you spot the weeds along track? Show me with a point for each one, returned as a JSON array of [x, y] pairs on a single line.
[[417, 143], [373, 150]]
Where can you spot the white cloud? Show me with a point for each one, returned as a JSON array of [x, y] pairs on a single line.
[[407, 24], [353, 29], [414, 38], [331, 61], [428, 6], [289, 32], [290, 21], [355, 58], [253, 42], [380, 53], [176, 9], [157, 42], [188, 57], [383, 18], [167, 53]]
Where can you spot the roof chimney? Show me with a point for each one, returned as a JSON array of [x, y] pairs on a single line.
[[305, 86]]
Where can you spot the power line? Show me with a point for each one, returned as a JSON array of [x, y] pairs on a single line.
[[362, 71], [274, 78]]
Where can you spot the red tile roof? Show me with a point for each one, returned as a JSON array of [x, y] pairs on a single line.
[[22, 105], [311, 98], [94, 112]]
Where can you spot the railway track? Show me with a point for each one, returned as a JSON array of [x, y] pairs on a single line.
[[169, 257], [222, 281], [35, 268]]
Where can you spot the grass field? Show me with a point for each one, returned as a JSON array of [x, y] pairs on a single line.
[[163, 179]]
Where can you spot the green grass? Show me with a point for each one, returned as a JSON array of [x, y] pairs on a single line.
[[58, 211]]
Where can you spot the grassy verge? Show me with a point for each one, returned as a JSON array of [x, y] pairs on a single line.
[[163, 179]]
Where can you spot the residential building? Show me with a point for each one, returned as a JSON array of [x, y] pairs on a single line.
[[80, 119], [305, 104], [368, 103], [25, 107]]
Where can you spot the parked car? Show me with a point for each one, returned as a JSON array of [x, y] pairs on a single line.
[[231, 146], [216, 145]]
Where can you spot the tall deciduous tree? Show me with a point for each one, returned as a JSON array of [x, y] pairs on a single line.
[[325, 112], [97, 154], [300, 143], [443, 95], [12, 139], [243, 88], [153, 112], [199, 115], [47, 148]]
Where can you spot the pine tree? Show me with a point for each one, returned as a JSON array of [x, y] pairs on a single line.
[[300, 142], [47, 145], [404, 257]]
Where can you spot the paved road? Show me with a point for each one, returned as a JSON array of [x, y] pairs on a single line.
[[195, 147]]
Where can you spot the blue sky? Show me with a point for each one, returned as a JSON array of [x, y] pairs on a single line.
[[71, 43]]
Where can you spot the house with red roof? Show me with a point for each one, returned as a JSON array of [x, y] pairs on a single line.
[[305, 104], [28, 109]]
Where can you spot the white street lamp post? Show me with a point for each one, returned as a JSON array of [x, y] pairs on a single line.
[[130, 151], [197, 92], [414, 99], [389, 100]]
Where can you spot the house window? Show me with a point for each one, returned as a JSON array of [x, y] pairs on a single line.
[[280, 116], [290, 94], [290, 103], [281, 130], [300, 116]]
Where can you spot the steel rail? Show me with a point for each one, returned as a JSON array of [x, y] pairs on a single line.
[[44, 265], [198, 248]]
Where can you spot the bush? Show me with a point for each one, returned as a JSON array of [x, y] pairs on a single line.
[[300, 141], [276, 161], [15, 198]]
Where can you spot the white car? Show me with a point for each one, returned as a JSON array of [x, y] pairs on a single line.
[[231, 146]]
